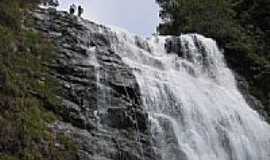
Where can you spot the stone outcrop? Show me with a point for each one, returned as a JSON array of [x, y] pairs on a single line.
[[101, 107]]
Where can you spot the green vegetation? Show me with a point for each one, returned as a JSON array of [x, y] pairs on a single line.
[[27, 91], [241, 28]]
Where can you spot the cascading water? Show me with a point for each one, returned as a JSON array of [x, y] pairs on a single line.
[[195, 108]]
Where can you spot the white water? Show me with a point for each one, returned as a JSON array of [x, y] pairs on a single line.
[[196, 110]]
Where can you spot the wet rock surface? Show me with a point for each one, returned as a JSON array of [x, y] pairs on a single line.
[[101, 107], [2, 80], [252, 101]]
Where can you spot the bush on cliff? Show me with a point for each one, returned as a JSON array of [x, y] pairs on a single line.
[[27, 91]]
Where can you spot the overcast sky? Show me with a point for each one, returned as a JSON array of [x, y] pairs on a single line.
[[136, 16]]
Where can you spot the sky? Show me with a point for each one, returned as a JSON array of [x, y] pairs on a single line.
[[136, 16]]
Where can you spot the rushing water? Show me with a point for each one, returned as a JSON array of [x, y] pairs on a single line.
[[195, 108]]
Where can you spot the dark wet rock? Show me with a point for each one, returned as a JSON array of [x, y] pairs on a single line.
[[2, 80], [123, 118], [173, 45], [101, 102], [252, 101], [142, 44]]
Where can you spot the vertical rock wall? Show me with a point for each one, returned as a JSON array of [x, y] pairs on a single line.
[[101, 107]]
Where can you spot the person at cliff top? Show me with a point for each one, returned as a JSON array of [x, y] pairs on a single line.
[[51, 3], [80, 10], [54, 3], [72, 9]]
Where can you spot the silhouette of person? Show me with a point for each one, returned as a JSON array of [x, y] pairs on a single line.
[[54, 3], [80, 10], [72, 9]]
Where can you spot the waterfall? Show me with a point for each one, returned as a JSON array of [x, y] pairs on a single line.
[[195, 108]]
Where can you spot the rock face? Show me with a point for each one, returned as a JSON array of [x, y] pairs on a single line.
[[2, 80], [166, 98], [101, 108], [251, 100]]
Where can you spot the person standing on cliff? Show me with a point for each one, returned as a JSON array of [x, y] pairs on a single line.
[[72, 9], [80, 10], [51, 3], [54, 3]]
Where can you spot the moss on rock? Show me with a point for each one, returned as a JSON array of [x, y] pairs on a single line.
[[27, 91]]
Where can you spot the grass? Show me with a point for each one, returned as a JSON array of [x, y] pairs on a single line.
[[29, 92]]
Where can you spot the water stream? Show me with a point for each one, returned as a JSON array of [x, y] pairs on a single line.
[[195, 108]]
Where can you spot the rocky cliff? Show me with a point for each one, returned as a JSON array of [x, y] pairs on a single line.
[[128, 98], [101, 107]]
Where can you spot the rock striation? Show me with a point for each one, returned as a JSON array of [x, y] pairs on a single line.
[[101, 107]]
